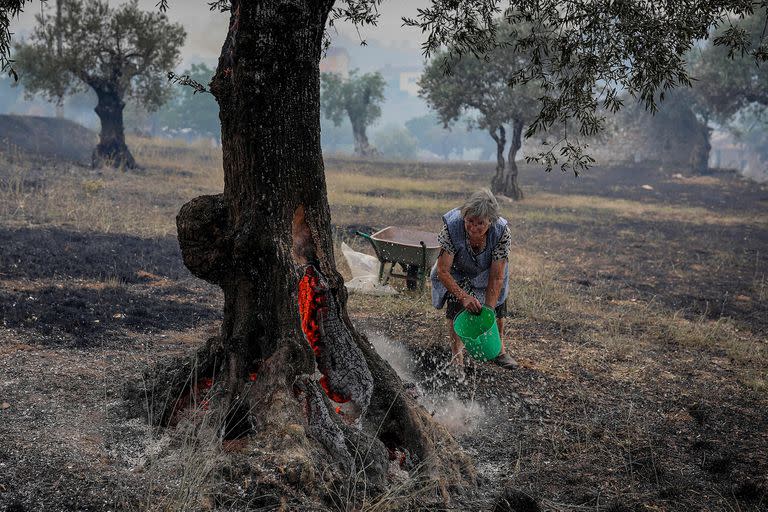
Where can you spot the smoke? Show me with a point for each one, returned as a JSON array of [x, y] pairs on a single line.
[[458, 415]]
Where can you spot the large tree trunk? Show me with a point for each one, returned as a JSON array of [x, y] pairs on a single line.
[[111, 149], [288, 358], [362, 146], [506, 185]]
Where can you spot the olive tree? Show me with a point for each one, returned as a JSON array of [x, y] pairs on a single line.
[[287, 357], [726, 82], [120, 53], [359, 98], [481, 87]]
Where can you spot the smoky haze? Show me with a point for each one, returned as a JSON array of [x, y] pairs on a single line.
[[390, 48], [206, 29]]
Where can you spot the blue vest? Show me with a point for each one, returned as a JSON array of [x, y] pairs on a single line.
[[467, 265]]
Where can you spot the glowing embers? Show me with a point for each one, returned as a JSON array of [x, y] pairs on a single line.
[[193, 403], [314, 309]]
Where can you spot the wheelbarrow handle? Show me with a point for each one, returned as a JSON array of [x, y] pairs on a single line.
[[364, 235]]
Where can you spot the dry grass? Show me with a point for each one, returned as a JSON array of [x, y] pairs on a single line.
[[143, 203], [614, 333], [146, 203], [623, 208]]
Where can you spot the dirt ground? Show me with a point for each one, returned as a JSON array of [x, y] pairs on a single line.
[[638, 313]]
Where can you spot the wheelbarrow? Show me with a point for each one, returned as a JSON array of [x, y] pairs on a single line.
[[414, 251]]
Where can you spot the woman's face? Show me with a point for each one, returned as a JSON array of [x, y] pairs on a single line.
[[476, 226]]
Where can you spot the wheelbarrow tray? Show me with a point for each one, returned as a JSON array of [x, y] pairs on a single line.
[[404, 246]]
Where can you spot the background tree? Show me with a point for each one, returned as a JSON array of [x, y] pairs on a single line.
[[482, 86], [358, 97], [727, 82], [121, 53]]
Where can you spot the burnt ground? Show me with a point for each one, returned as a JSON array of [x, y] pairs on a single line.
[[612, 408]]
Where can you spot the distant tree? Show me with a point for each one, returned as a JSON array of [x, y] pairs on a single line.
[[191, 110], [121, 53], [359, 98], [432, 135], [396, 142], [727, 81], [482, 86]]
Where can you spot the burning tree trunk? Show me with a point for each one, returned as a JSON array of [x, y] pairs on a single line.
[[287, 353], [111, 149]]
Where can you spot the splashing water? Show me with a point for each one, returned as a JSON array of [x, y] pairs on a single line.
[[459, 416]]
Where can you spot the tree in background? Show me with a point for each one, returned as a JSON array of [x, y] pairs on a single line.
[[358, 97], [396, 142], [482, 86], [121, 53], [432, 135], [727, 81], [191, 110]]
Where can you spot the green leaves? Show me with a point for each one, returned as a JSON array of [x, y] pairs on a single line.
[[358, 97], [583, 52]]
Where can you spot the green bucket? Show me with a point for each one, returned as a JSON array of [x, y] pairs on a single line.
[[479, 333]]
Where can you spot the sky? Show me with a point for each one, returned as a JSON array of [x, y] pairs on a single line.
[[206, 29]]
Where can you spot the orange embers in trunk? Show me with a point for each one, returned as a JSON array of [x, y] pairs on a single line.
[[312, 304], [313, 307], [194, 402]]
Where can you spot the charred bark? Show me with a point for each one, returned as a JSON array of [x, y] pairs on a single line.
[[111, 149], [287, 353]]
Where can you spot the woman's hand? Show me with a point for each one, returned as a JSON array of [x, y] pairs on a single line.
[[471, 304]]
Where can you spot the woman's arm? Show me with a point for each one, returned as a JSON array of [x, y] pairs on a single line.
[[444, 262], [495, 281]]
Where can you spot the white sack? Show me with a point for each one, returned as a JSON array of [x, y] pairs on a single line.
[[360, 264], [365, 273]]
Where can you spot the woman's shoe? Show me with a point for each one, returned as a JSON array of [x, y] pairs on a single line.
[[506, 362]]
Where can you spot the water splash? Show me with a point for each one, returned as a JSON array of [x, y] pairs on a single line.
[[458, 415]]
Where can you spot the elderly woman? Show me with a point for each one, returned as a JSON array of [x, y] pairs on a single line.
[[472, 270]]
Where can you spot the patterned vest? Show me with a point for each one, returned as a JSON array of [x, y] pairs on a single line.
[[476, 267]]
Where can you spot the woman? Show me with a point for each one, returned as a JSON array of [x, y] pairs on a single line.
[[471, 270]]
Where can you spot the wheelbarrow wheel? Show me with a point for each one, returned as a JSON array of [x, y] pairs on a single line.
[[412, 276]]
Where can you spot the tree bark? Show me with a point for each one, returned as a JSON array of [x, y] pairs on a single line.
[[287, 356], [701, 148], [111, 149], [362, 146], [499, 135], [508, 186], [505, 180]]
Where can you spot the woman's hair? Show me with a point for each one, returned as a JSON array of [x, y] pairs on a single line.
[[481, 204]]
